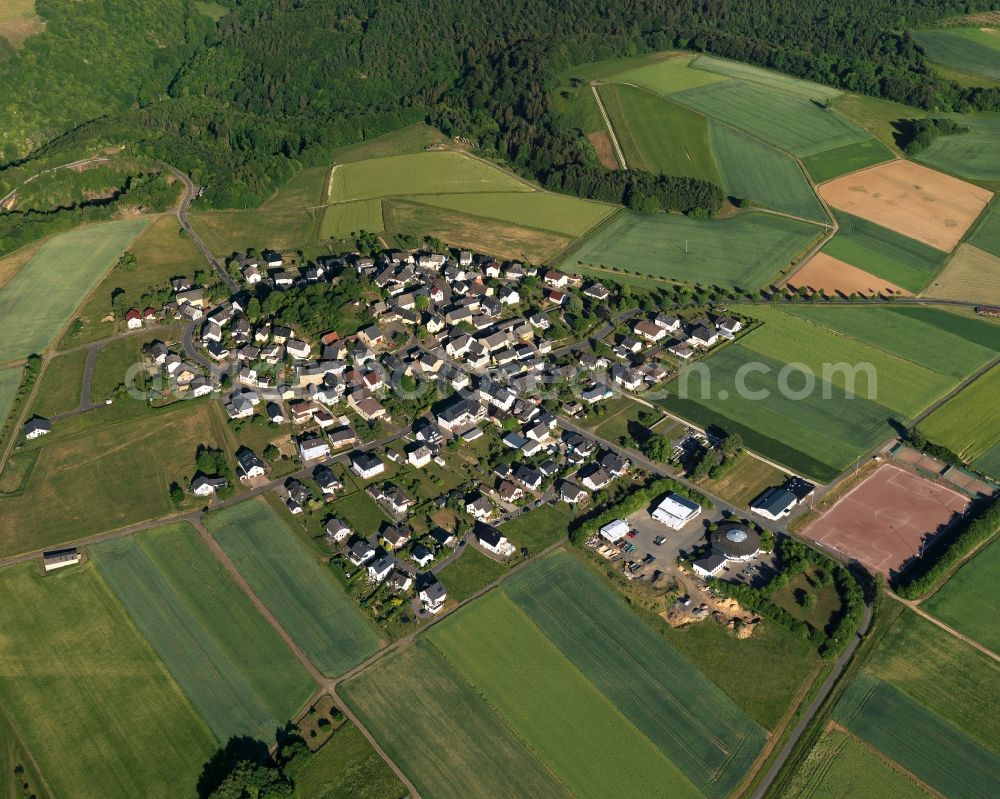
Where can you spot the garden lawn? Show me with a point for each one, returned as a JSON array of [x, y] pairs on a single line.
[[93, 704], [573, 728], [830, 164], [38, 301], [969, 423], [745, 251], [232, 665], [968, 49], [346, 767], [301, 593], [360, 512], [441, 732], [970, 601], [538, 528], [658, 135], [785, 119], [883, 252], [763, 175], [688, 718], [341, 220]]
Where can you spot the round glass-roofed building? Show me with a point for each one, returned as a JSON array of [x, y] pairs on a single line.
[[735, 541]]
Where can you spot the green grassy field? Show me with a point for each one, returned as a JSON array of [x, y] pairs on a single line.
[[969, 423], [765, 176], [304, 190], [441, 732], [986, 234], [879, 117], [59, 390], [974, 155], [839, 766], [882, 252], [42, 296], [969, 600], [231, 664], [688, 718], [767, 77], [560, 213], [658, 135], [967, 49], [18, 776], [94, 705], [745, 251], [301, 593], [538, 528], [118, 357], [347, 767], [663, 76], [785, 119], [989, 462], [470, 572], [10, 379], [562, 717], [746, 481], [227, 232], [919, 740], [827, 605], [839, 161], [411, 139], [344, 219], [435, 172], [360, 512], [971, 274]]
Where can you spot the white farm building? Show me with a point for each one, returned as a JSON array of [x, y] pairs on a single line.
[[675, 511]]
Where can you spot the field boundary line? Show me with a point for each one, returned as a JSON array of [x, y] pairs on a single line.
[[610, 128]]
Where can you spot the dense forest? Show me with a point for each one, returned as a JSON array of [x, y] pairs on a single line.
[[277, 84]]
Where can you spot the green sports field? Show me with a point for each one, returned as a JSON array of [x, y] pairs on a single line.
[[986, 234], [562, 717], [300, 592], [10, 379], [884, 253], [232, 665], [93, 704], [658, 135], [767, 77], [968, 49], [560, 213], [969, 423], [441, 731], [745, 251], [763, 175], [341, 220], [785, 119], [969, 601], [839, 161], [688, 718], [435, 172], [974, 155], [42, 296]]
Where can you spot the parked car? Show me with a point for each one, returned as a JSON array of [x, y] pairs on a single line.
[[659, 540]]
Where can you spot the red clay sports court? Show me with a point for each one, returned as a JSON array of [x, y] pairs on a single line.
[[883, 520]]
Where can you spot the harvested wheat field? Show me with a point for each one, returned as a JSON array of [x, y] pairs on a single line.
[[833, 276], [911, 199], [971, 274]]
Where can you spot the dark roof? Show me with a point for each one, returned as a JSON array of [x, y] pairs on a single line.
[[488, 534], [710, 562], [365, 460], [775, 501], [734, 540]]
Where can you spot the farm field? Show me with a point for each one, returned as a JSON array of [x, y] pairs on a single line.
[[658, 135], [347, 767], [435, 172], [68, 642], [431, 707], [785, 119], [986, 234], [968, 49], [38, 301], [560, 213], [232, 665], [763, 175], [10, 380], [663, 75], [879, 117], [300, 592], [839, 766], [918, 202], [91, 468], [832, 276], [969, 423], [839, 161], [18, 769], [59, 389], [971, 274], [411, 139], [689, 719], [562, 717], [989, 461], [884, 253], [767, 77], [11, 264], [303, 190], [340, 220], [969, 600], [227, 232], [745, 251], [974, 155]]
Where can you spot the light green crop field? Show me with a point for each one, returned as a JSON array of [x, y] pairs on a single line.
[[435, 172], [971, 274], [10, 379], [839, 766], [227, 232], [301, 593], [763, 175], [232, 665], [60, 387], [933, 750], [839, 161], [986, 234], [777, 80], [974, 155], [347, 767], [303, 190], [969, 601], [882, 252], [968, 49], [42, 296], [688, 718], [945, 342], [989, 462], [93, 704], [969, 423], [441, 731], [562, 717], [744, 251], [560, 213], [666, 76], [658, 135], [787, 120], [341, 220]]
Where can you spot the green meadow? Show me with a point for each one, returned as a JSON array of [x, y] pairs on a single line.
[[969, 601]]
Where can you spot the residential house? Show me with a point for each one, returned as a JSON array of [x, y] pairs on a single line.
[[248, 465], [493, 541], [366, 465], [360, 553], [432, 597], [312, 447], [36, 427]]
